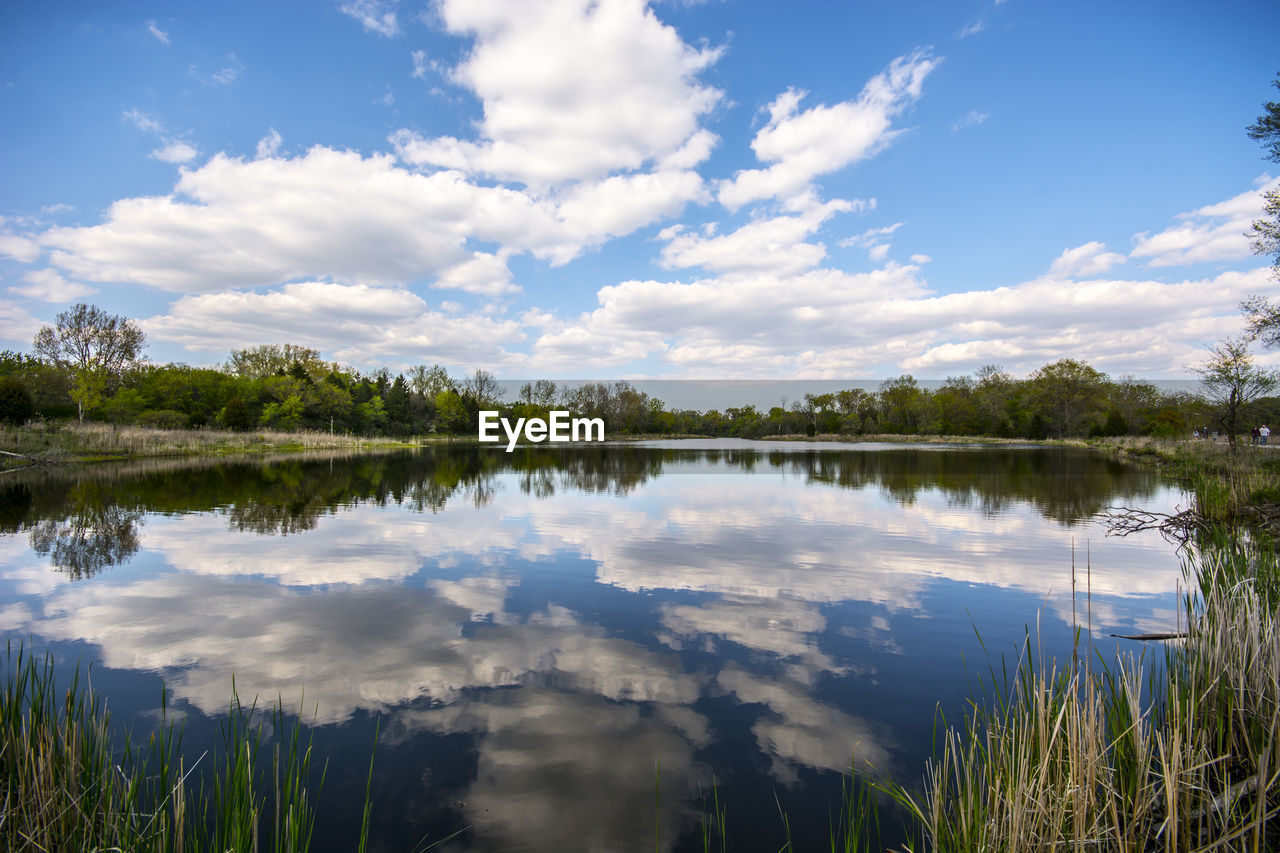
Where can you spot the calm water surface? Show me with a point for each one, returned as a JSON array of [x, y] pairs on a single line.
[[534, 632]]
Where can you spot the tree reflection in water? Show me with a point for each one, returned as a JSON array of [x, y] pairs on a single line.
[[95, 533], [88, 521]]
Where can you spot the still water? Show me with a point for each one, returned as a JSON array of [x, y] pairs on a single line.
[[577, 649]]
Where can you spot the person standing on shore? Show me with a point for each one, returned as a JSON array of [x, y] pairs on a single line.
[[1263, 434], [1255, 435]]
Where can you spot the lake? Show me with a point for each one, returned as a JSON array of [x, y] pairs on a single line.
[[583, 647]]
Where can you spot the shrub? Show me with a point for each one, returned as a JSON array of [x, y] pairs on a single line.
[[235, 415], [163, 419], [16, 406]]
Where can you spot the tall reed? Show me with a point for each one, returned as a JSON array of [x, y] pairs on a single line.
[[68, 784], [1175, 753]]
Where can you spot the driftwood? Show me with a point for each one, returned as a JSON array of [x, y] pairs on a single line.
[[1225, 801], [1177, 635], [32, 461], [1268, 515], [1179, 528]]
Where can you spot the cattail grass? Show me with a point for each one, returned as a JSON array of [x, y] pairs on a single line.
[[69, 784], [1177, 752]]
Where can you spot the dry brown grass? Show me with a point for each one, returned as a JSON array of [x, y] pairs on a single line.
[[1173, 754], [96, 441]]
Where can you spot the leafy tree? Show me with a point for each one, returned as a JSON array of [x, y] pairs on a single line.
[[1264, 315], [277, 389], [1231, 380], [382, 381], [16, 405], [902, 403], [451, 414], [1267, 128], [372, 414], [1068, 394], [1133, 402], [429, 381], [96, 346], [125, 406], [297, 371], [1115, 424], [483, 388], [235, 415], [992, 396], [285, 415], [200, 393], [1262, 318], [328, 403], [275, 359], [630, 409], [955, 409], [397, 404]]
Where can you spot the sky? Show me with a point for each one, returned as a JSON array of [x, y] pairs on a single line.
[[615, 189]]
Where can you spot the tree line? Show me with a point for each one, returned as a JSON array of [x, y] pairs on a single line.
[[90, 365]]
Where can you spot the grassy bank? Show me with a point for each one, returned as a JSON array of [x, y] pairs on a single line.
[[1231, 490], [96, 442]]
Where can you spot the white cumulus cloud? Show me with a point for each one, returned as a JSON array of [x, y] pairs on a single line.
[[269, 144], [618, 90], [358, 323], [802, 144], [1215, 232], [1089, 259], [175, 152], [47, 286]]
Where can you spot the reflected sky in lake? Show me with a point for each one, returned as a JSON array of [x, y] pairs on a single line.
[[536, 631]]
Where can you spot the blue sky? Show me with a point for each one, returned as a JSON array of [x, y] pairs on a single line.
[[614, 189]]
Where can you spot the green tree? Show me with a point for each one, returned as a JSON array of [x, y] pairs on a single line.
[[1068, 394], [1231, 381], [451, 414], [429, 381], [273, 359], [397, 405], [992, 395], [48, 384], [95, 346], [285, 415], [955, 409], [235, 415], [1263, 314], [328, 403], [1267, 128], [16, 406], [125, 406], [902, 405], [1133, 402], [372, 414]]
